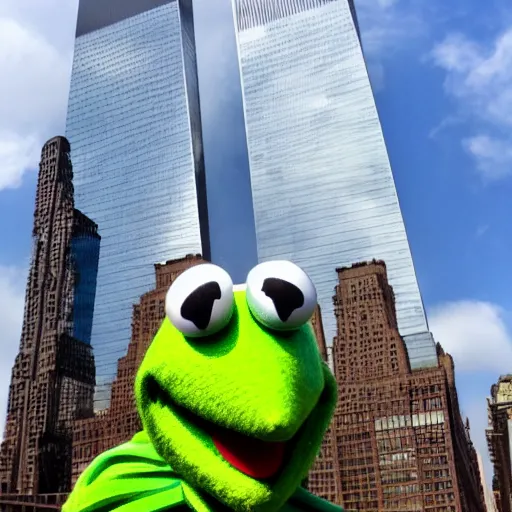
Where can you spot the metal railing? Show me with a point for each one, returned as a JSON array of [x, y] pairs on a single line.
[[31, 503]]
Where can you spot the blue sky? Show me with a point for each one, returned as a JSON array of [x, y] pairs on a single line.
[[441, 73]]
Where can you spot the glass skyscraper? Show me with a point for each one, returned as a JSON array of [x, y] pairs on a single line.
[[134, 125], [323, 190]]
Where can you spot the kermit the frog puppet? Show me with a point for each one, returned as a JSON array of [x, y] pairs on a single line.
[[234, 400]]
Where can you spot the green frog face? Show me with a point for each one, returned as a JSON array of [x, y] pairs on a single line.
[[232, 391]]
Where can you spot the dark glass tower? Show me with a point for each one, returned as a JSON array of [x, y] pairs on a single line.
[[135, 128]]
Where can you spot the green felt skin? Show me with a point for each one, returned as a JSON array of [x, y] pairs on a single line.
[[263, 384]]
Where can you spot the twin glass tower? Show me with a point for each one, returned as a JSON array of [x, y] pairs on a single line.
[[322, 188]]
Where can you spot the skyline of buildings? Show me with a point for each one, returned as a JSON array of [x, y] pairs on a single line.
[[397, 441], [323, 196], [135, 128], [52, 379], [77, 433], [322, 186]]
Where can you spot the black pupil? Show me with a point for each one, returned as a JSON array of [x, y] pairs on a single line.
[[198, 306], [286, 296]]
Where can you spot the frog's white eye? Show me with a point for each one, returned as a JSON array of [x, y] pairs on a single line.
[[200, 302], [280, 295]]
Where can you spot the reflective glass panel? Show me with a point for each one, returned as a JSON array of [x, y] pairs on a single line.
[[85, 249], [322, 185], [134, 128]]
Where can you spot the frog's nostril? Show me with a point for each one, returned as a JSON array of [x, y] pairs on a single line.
[[153, 390]]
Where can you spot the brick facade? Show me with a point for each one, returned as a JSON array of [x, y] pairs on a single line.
[[397, 441], [53, 376], [499, 442]]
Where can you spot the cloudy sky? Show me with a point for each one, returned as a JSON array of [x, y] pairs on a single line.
[[441, 72]]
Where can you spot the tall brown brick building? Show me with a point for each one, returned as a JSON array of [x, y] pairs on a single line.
[[53, 376], [397, 441], [499, 435]]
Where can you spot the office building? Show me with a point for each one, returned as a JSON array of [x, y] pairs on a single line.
[[52, 380], [499, 437], [322, 186], [134, 124], [397, 440]]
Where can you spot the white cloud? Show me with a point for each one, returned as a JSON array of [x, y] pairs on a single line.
[[46, 17], [493, 156], [475, 334], [17, 154], [36, 43], [456, 53], [12, 298], [479, 77]]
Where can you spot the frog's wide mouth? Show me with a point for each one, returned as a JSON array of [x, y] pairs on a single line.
[[252, 456]]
